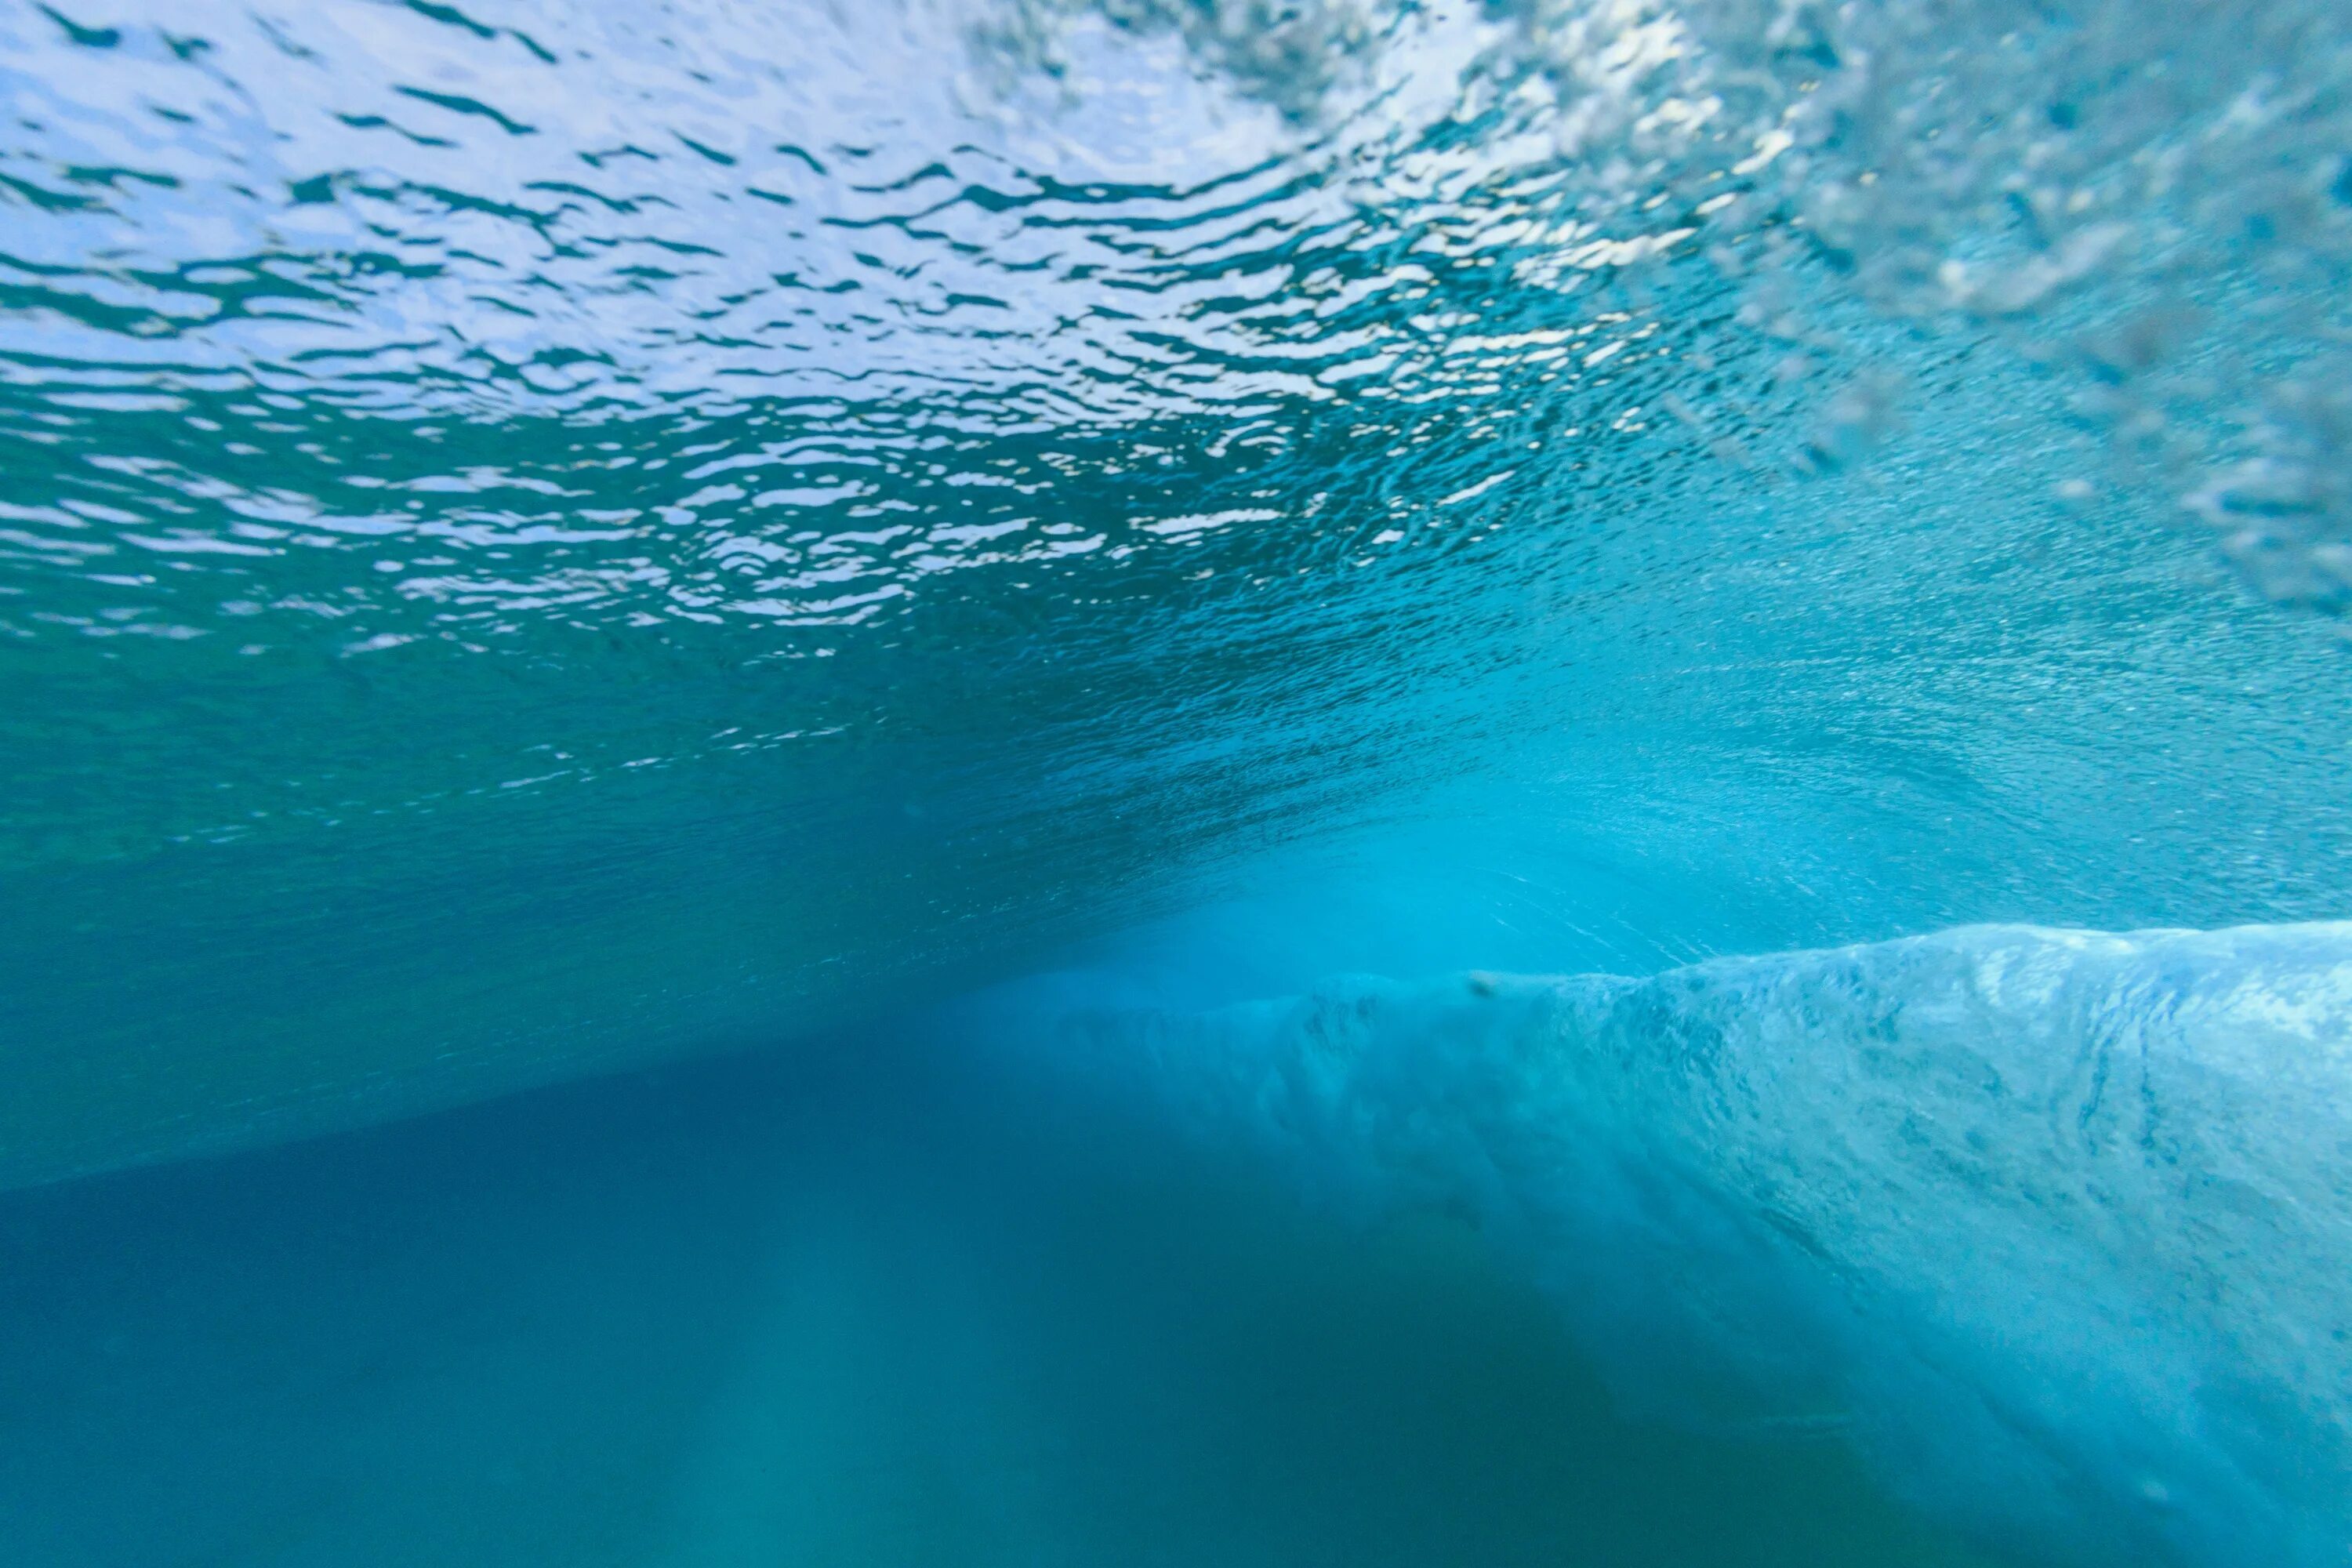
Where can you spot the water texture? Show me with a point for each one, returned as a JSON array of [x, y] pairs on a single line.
[[552, 538]]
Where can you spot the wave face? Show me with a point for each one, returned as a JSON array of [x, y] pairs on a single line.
[[2055, 1221]]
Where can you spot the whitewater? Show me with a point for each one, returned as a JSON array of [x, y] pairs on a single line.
[[1078, 782]]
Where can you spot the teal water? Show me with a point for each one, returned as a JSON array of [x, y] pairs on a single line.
[[1099, 782]]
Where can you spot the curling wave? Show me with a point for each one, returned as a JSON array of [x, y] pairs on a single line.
[[2055, 1221]]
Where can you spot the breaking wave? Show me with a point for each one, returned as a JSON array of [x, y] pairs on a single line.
[[2054, 1221]]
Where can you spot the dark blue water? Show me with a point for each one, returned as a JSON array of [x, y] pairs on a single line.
[[886, 1314], [1035, 782]]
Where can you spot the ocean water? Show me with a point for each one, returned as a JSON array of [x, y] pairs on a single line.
[[1097, 782]]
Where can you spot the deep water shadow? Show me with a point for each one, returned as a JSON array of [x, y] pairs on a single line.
[[866, 1312]]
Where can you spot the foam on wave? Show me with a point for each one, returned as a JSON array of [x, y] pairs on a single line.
[[2054, 1220]]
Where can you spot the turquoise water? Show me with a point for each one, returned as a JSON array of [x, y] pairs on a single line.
[[1033, 781]]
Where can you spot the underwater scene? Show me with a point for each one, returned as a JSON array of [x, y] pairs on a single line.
[[1290, 783]]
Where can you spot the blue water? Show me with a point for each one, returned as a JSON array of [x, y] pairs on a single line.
[[1023, 780]]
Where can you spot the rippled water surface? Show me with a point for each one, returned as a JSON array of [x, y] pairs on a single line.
[[553, 539]]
